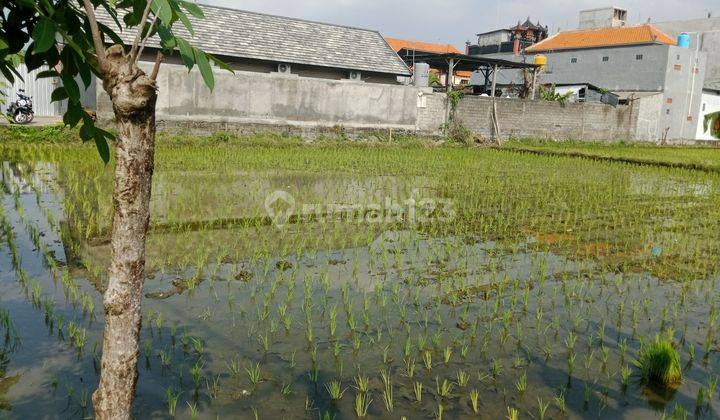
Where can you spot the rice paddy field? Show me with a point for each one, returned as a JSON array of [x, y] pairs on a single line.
[[366, 280], [705, 158]]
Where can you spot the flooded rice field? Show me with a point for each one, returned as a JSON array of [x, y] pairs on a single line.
[[389, 282]]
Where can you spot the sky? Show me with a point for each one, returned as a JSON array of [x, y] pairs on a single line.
[[457, 21]]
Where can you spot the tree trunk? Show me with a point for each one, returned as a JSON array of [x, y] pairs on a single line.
[[133, 95]]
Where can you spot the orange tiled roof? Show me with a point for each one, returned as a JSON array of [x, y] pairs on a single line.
[[603, 37], [399, 44]]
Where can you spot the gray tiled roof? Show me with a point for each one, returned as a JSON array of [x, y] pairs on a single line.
[[238, 33]]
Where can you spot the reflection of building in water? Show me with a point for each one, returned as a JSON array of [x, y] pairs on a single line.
[[184, 196], [21, 176]]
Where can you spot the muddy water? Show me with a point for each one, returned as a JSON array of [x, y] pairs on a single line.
[[499, 312]]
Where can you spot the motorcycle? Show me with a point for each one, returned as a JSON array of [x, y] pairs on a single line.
[[21, 111]]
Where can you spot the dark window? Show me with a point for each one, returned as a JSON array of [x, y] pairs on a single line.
[[639, 57], [573, 60], [606, 58]]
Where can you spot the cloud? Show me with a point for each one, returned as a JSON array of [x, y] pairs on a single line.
[[459, 20]]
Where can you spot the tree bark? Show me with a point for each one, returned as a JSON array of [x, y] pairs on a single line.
[[133, 95]]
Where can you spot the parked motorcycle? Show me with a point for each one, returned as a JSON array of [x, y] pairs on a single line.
[[21, 111]]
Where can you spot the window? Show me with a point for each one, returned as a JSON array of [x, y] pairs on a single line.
[[704, 105], [639, 57], [606, 58], [573, 60], [667, 111]]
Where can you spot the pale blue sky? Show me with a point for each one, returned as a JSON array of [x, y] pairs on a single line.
[[455, 21]]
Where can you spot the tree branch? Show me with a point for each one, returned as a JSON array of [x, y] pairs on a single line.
[[144, 41], [97, 39], [138, 37], [156, 69]]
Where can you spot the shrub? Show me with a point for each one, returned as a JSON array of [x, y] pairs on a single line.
[[659, 362]]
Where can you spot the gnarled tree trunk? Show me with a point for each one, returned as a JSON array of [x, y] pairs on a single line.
[[133, 95]]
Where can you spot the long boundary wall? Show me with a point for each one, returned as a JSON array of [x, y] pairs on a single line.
[[249, 102]]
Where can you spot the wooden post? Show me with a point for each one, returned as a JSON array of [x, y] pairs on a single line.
[[451, 74], [534, 84], [494, 80]]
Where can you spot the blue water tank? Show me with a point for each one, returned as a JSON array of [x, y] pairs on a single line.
[[683, 40]]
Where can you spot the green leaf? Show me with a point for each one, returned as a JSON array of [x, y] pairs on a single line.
[[101, 139], [72, 87], [193, 9], [73, 115], [44, 35], [220, 64], [168, 42], [59, 94], [712, 123], [163, 11], [103, 148], [87, 131], [186, 52], [205, 68], [47, 74], [85, 74], [184, 19]]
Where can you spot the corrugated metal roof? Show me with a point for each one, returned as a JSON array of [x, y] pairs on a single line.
[[428, 47], [603, 37], [243, 34]]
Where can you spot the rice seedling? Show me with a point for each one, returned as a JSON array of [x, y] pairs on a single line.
[[194, 411], [443, 389], [427, 360], [659, 362], [254, 374], [440, 411], [542, 408], [387, 391], [712, 386], [196, 373], [474, 400], [335, 390], [521, 384], [560, 401], [171, 398], [362, 404], [625, 373], [462, 378], [447, 353]]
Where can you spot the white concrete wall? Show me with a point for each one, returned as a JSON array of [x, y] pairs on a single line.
[[272, 98], [710, 102], [647, 127]]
